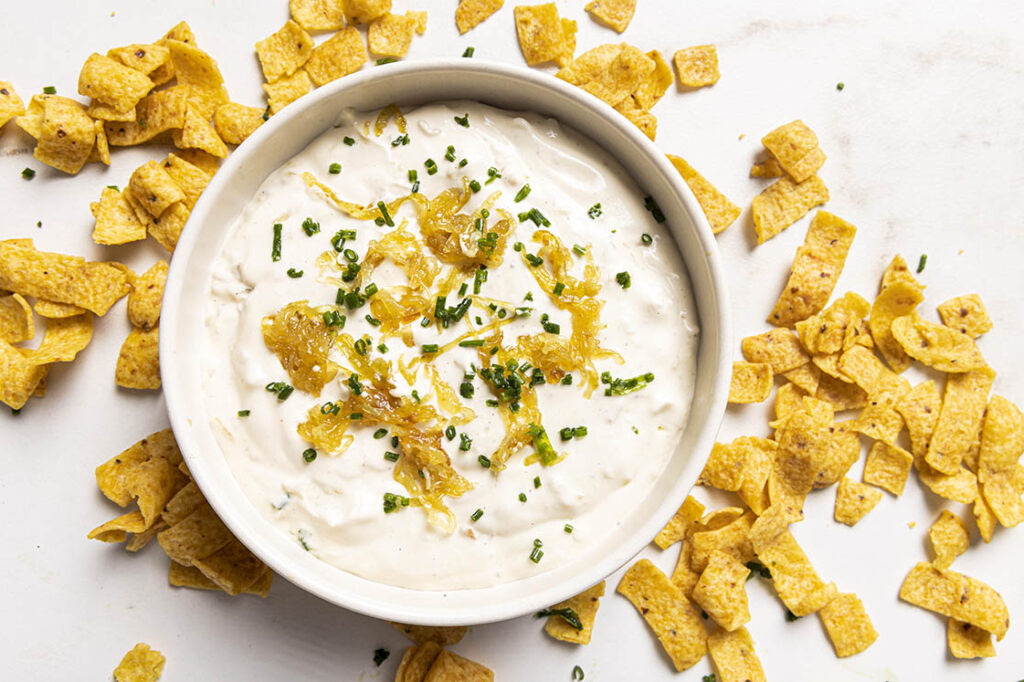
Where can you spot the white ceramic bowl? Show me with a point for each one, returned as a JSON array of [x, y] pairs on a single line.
[[286, 134]]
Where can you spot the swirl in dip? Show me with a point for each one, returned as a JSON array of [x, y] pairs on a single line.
[[448, 349]]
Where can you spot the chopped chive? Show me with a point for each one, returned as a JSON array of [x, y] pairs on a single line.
[[334, 168], [463, 163], [475, 186], [566, 614], [429, 348], [492, 175], [380, 433], [479, 277], [384, 214], [484, 462], [565, 433], [522, 497], [625, 386], [559, 288], [471, 343], [332, 318], [373, 321], [281, 389], [294, 274], [469, 52], [594, 211], [243, 413], [266, 113], [840, 85], [522, 193], [392, 502], [465, 442], [275, 249], [567, 380], [380, 655], [922, 262], [579, 431], [391, 456], [431, 166], [579, 250], [400, 141], [463, 289], [623, 279], [449, 432], [543, 445], [28, 173], [354, 385], [646, 239], [425, 322], [466, 390], [533, 260], [536, 482], [386, 60], [449, 153], [310, 227], [463, 120], [50, 90], [491, 403], [568, 528], [577, 673], [382, 348], [356, 416], [309, 454], [348, 141], [370, 290], [475, 516], [651, 205]]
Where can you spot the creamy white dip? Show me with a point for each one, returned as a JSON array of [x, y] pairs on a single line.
[[333, 505]]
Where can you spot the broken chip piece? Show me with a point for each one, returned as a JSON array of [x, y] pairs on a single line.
[[318, 15], [936, 345], [966, 314], [543, 35], [138, 363], [948, 537], [783, 203], [391, 34], [141, 664], [146, 296], [751, 382], [470, 13], [854, 500], [697, 66], [721, 591], [734, 657], [584, 606], [958, 430], [795, 147], [615, 14], [10, 104], [341, 54], [848, 626], [720, 212], [442, 636], [112, 83], [65, 134]]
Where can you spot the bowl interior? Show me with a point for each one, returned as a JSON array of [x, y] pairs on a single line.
[[288, 133]]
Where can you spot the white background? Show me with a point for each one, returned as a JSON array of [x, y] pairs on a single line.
[[925, 156]]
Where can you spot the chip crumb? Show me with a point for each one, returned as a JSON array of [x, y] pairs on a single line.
[[141, 664]]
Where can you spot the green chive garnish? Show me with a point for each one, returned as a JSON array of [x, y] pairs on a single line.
[[386, 60], [623, 279], [594, 211], [577, 673], [430, 348], [536, 482], [391, 456], [383, 208], [840, 85], [559, 288], [568, 528], [243, 413], [348, 140], [309, 454], [625, 386], [465, 442], [522, 497], [275, 249], [50, 90], [646, 239], [922, 262], [463, 121], [471, 343], [484, 462], [28, 173], [542, 445], [334, 168], [294, 274], [469, 52], [566, 614], [380, 655], [522, 193], [310, 227], [431, 166], [474, 185], [651, 205], [475, 516]]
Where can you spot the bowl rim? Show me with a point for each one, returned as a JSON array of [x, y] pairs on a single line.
[[176, 397]]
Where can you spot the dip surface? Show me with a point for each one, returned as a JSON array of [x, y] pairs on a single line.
[[334, 505]]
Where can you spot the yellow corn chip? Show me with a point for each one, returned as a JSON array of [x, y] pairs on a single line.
[[967, 641], [780, 348], [935, 345], [720, 518], [16, 321], [848, 626], [140, 540], [61, 279], [816, 268], [21, 376], [141, 664], [655, 85], [788, 399], [759, 455], [888, 467], [146, 59], [879, 420], [10, 104], [827, 331], [365, 11], [198, 71], [868, 372], [783, 203], [116, 476], [840, 394], [769, 168], [63, 339], [624, 74], [116, 222], [966, 314], [342, 54], [585, 606], [181, 32], [235, 122], [978, 604], [724, 468], [138, 363], [153, 188], [734, 657], [198, 133], [117, 530], [804, 440], [731, 538], [668, 612], [542, 35], [641, 118], [190, 178], [720, 212], [189, 576], [64, 133], [195, 537], [795, 147], [854, 500], [442, 636], [184, 502], [591, 64], [318, 15], [420, 17], [929, 588], [1002, 443], [451, 667], [697, 66], [471, 13], [200, 159], [959, 487], [751, 382], [232, 568], [829, 366], [681, 523], [843, 451], [284, 51], [112, 83], [958, 430], [167, 228], [806, 378], [684, 577], [984, 518], [793, 576], [615, 14], [919, 408], [390, 35], [146, 296], [949, 538], [416, 662], [721, 591], [158, 112]]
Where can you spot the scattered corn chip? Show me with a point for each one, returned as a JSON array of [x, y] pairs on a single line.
[[157, 113], [848, 626], [720, 212], [191, 577], [442, 636], [10, 104], [929, 588], [724, 468], [138, 363], [879, 420], [318, 15], [470, 13], [668, 612], [793, 576], [190, 178], [730, 538], [779, 348], [795, 147], [167, 228], [758, 456], [697, 66], [154, 189], [641, 118], [391, 34], [888, 467], [416, 662], [655, 85], [65, 135], [968, 641], [286, 90], [341, 54], [978, 604], [949, 539], [284, 51], [854, 500], [198, 133], [769, 168], [1002, 443], [958, 430], [112, 83], [936, 345], [53, 310], [585, 606], [868, 372], [543, 36], [198, 72], [966, 314], [829, 331], [783, 203], [615, 14], [627, 72], [16, 321], [959, 487], [195, 537], [919, 408], [141, 664], [365, 11], [751, 382], [721, 591], [734, 657], [816, 267], [681, 523], [146, 59], [118, 529], [145, 298], [449, 667]]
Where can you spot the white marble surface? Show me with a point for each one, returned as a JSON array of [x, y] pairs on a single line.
[[925, 156]]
